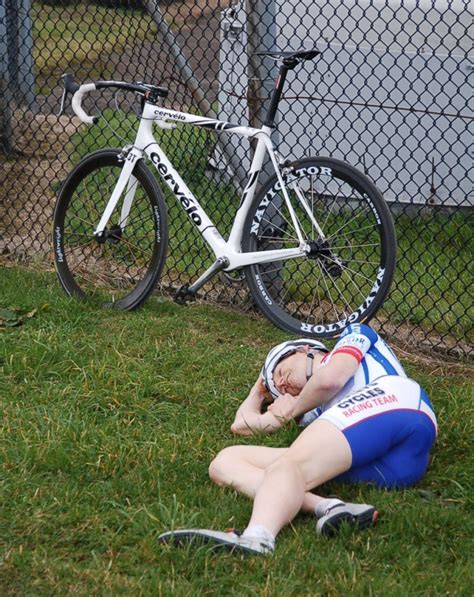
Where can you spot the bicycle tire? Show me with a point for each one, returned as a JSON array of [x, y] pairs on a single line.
[[121, 270], [355, 261]]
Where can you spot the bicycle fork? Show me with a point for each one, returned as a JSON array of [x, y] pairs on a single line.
[[126, 182]]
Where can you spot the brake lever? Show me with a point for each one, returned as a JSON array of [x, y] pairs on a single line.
[[63, 103], [70, 86]]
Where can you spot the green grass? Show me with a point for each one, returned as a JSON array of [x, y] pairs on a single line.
[[110, 420], [81, 39]]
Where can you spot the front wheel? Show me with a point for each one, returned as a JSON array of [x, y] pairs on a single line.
[[120, 268], [349, 260]]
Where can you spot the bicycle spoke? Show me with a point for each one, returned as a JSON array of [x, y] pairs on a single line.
[[356, 246], [356, 287], [76, 217], [348, 269], [340, 292], [336, 197], [282, 298], [91, 203], [328, 292], [83, 244], [344, 235], [316, 291], [344, 225], [126, 255], [271, 271], [364, 261], [130, 247], [356, 273], [279, 212]]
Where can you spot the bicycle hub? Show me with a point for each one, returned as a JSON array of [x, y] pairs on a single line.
[[113, 235], [320, 249]]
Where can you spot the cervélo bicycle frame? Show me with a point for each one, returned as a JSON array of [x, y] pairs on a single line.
[[228, 253]]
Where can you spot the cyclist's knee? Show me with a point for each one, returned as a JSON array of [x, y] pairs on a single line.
[[222, 465]]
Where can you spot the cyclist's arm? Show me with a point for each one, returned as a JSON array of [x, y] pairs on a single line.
[[249, 419], [332, 376], [325, 383]]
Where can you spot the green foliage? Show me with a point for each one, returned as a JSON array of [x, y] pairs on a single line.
[[12, 317], [110, 420]]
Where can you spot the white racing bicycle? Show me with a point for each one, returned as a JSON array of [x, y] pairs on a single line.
[[316, 243]]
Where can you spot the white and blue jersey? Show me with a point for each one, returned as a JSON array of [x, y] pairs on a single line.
[[387, 419], [375, 359]]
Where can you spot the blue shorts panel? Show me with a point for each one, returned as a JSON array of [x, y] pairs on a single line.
[[390, 449]]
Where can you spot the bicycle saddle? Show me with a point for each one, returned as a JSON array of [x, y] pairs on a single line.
[[291, 58]]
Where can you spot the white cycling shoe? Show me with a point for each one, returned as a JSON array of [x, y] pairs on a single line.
[[356, 515], [229, 541]]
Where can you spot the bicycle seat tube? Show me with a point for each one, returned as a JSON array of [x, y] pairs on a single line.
[[276, 95]]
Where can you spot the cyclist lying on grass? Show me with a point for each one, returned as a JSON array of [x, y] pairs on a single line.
[[364, 420]]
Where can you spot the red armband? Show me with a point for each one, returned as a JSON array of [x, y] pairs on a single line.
[[352, 350]]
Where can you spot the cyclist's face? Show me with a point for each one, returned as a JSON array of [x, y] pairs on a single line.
[[290, 374]]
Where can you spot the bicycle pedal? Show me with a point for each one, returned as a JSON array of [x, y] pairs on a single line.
[[183, 295]]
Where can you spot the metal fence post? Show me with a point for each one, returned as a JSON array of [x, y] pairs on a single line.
[[11, 38], [5, 114], [25, 76], [194, 87], [261, 37], [16, 63]]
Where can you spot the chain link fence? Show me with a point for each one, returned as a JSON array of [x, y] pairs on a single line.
[[389, 94]]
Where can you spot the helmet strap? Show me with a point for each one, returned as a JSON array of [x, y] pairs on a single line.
[[309, 365]]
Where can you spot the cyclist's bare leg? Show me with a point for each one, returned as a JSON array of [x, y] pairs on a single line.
[[319, 454], [243, 469]]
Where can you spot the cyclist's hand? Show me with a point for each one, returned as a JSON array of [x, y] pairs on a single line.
[[283, 406]]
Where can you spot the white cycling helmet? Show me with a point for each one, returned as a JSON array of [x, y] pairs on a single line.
[[281, 351]]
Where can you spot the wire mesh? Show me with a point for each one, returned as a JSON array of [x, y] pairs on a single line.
[[389, 94]]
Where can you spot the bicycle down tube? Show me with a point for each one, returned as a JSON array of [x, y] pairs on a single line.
[[230, 249]]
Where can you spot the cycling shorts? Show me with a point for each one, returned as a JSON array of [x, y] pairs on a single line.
[[390, 426]]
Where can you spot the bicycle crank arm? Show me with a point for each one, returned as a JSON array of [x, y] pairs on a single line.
[[186, 292]]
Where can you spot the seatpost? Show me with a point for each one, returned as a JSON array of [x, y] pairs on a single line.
[[276, 95]]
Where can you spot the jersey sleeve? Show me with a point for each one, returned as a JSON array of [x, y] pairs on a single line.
[[356, 340]]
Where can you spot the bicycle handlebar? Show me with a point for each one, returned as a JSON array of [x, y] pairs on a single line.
[[78, 91]]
